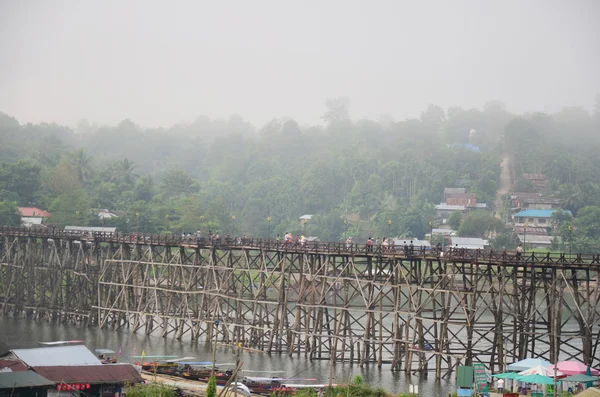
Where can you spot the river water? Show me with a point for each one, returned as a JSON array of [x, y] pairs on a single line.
[[23, 333]]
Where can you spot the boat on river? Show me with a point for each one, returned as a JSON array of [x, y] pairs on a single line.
[[201, 371], [164, 365], [107, 356]]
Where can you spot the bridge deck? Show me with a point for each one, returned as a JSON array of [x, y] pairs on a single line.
[[448, 254]]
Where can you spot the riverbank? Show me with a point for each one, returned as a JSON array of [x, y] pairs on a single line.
[[190, 387]]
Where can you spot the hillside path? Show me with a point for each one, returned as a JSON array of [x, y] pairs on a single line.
[[504, 187]]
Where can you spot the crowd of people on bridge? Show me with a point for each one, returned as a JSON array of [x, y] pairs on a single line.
[[371, 245]]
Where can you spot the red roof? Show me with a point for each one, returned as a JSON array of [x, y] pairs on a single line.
[[94, 374], [33, 212], [13, 365]]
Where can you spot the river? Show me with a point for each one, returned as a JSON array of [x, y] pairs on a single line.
[[23, 333]]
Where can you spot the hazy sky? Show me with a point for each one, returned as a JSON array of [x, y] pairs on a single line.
[[160, 62]]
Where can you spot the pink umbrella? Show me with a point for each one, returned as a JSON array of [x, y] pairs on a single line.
[[574, 368], [539, 370]]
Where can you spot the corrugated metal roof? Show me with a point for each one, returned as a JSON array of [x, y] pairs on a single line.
[[91, 229], [468, 242], [541, 200], [408, 241], [520, 229], [537, 213], [447, 232], [537, 239], [59, 355], [447, 207], [13, 365], [94, 374], [451, 190], [8, 380], [534, 176]]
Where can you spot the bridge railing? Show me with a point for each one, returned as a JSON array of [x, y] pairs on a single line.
[[324, 247]]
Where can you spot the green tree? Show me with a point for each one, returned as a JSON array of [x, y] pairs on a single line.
[[82, 163], [502, 241], [142, 218], [478, 224], [455, 219], [523, 185], [188, 213], [9, 214], [144, 188], [588, 222], [71, 208], [211, 389], [122, 171], [177, 183], [61, 178], [21, 178]]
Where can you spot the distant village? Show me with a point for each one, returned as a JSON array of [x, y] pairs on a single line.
[[528, 215]]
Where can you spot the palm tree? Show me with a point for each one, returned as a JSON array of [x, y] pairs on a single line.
[[82, 163], [122, 171]]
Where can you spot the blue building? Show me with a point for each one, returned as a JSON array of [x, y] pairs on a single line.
[[535, 217]]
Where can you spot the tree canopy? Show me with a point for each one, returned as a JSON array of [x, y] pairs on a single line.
[[382, 178]]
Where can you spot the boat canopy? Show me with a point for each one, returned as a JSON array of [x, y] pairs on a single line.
[[176, 360], [204, 363], [104, 351]]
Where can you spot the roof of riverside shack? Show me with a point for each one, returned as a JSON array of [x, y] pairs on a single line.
[[95, 374], [12, 365], [58, 355], [8, 380]]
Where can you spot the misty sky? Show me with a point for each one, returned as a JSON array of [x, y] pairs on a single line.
[[161, 62]]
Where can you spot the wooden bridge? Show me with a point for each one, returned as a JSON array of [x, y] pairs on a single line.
[[412, 309]]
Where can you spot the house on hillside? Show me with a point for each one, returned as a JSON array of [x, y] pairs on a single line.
[[535, 217], [31, 216], [106, 214], [305, 218], [542, 203], [469, 200], [443, 210], [453, 190], [537, 241], [517, 198], [538, 180]]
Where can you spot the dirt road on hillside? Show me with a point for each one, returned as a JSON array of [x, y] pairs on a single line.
[[505, 183]]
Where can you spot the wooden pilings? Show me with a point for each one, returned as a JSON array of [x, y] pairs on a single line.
[[416, 313]]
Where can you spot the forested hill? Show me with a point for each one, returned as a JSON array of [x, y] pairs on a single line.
[[227, 176]]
